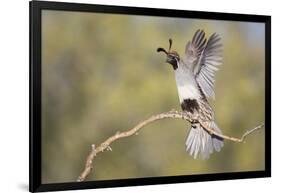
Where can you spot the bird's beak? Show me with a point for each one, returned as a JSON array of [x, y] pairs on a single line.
[[169, 60]]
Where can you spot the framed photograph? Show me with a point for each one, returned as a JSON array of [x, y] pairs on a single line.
[[126, 96]]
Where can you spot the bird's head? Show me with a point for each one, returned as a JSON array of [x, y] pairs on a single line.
[[173, 57]]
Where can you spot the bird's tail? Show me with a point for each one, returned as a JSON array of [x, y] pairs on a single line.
[[200, 143]]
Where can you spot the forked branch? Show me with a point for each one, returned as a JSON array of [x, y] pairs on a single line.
[[171, 114]]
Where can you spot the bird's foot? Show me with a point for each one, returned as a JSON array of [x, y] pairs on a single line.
[[194, 119]]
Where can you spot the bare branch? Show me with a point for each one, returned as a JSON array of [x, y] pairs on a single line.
[[171, 114], [250, 131]]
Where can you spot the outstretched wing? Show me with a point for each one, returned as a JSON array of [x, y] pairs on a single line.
[[194, 49], [207, 65]]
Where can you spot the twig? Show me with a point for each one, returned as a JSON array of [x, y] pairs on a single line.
[[250, 131], [171, 114]]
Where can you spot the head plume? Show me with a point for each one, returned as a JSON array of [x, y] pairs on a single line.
[[163, 50]]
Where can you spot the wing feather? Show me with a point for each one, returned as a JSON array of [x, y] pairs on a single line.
[[194, 49], [207, 65], [204, 58]]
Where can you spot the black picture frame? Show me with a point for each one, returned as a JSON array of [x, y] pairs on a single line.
[[36, 8]]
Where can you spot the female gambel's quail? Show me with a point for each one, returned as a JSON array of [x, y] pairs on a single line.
[[195, 74]]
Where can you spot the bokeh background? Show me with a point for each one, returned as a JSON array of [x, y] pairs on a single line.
[[101, 74]]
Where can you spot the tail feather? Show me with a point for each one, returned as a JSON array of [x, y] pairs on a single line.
[[201, 143]]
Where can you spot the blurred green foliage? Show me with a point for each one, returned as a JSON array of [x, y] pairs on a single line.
[[101, 74]]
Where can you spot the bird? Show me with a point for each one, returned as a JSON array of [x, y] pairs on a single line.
[[195, 78]]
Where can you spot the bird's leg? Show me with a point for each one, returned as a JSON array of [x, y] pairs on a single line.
[[194, 118]]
